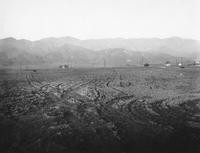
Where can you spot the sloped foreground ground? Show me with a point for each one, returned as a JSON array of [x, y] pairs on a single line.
[[121, 110]]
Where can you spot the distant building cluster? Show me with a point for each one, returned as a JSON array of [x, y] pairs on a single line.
[[64, 66]]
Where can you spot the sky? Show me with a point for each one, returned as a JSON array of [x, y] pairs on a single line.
[[87, 19]]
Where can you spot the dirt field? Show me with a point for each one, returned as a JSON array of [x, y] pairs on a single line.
[[105, 110]]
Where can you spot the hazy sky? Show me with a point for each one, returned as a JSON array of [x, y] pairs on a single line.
[[35, 19]]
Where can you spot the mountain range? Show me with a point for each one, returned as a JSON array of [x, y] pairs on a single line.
[[96, 52]]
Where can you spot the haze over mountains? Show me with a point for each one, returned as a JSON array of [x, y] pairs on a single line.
[[96, 52]]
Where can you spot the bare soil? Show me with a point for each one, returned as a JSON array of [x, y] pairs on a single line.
[[105, 110]]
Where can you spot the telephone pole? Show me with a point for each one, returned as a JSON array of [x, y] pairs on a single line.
[[20, 67], [104, 63], [142, 60]]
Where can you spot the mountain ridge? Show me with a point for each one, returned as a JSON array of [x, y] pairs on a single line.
[[90, 52]]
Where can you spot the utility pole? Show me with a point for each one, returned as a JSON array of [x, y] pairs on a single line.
[[104, 63], [142, 60], [20, 67]]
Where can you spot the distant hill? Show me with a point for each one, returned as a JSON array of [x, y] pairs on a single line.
[[16, 52], [174, 46], [95, 52]]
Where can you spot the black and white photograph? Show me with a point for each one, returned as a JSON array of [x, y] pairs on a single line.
[[99, 76]]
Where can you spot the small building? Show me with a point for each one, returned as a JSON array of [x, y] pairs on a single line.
[[64, 66], [146, 64], [180, 64], [167, 63], [197, 62]]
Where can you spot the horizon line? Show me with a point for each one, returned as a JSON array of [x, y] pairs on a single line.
[[57, 37]]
